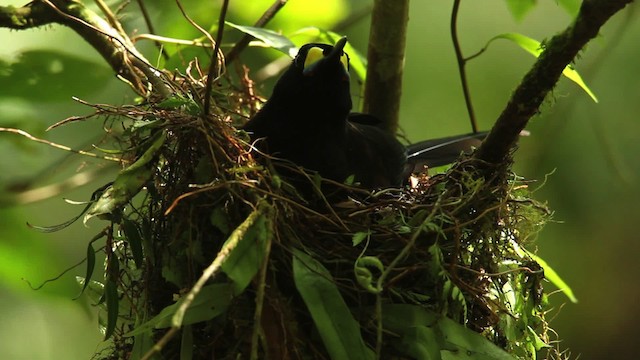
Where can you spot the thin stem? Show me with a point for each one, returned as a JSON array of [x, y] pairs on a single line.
[[150, 27], [213, 66], [461, 65], [264, 19]]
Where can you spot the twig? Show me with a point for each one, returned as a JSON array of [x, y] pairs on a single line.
[[213, 65], [262, 280], [150, 27], [264, 19], [461, 65], [58, 146], [387, 38]]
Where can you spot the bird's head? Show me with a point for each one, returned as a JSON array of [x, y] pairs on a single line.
[[318, 80]]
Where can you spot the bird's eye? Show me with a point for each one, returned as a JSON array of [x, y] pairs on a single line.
[[315, 54]]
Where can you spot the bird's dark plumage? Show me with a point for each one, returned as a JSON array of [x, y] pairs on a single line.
[[307, 121]]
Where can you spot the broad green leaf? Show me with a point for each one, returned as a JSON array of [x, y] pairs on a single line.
[[520, 8], [400, 316], [416, 324], [339, 331], [244, 261], [186, 344], [142, 343], [534, 47], [553, 277], [420, 342], [538, 343], [270, 38], [212, 301], [470, 343]]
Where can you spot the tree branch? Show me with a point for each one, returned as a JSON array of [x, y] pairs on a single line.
[[115, 48], [386, 61], [540, 80]]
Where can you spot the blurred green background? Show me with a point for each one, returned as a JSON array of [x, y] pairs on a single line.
[[587, 152]]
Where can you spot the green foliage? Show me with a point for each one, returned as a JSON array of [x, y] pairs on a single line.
[[441, 277], [45, 76], [520, 8], [340, 332], [535, 48], [428, 335], [245, 259], [213, 300]]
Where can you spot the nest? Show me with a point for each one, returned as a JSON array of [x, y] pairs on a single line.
[[439, 263]]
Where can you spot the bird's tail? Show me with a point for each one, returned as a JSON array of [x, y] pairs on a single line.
[[443, 151]]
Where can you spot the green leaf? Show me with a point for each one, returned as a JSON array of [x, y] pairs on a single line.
[[420, 330], [520, 8], [364, 276], [220, 219], [270, 38], [91, 264], [470, 343], [134, 239], [339, 331], [182, 103], [111, 296], [553, 277], [54, 228], [534, 47], [95, 289], [360, 236], [244, 261], [142, 343], [420, 342], [538, 343], [570, 6], [212, 301], [186, 345], [128, 182]]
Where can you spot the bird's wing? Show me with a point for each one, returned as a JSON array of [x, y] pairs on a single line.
[[364, 119], [443, 151]]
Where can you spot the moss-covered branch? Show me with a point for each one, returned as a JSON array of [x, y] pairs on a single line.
[[113, 46], [540, 80]]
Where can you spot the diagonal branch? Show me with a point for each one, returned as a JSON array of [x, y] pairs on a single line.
[[540, 80], [114, 47]]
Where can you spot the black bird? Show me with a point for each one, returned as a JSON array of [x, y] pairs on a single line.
[[307, 121]]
